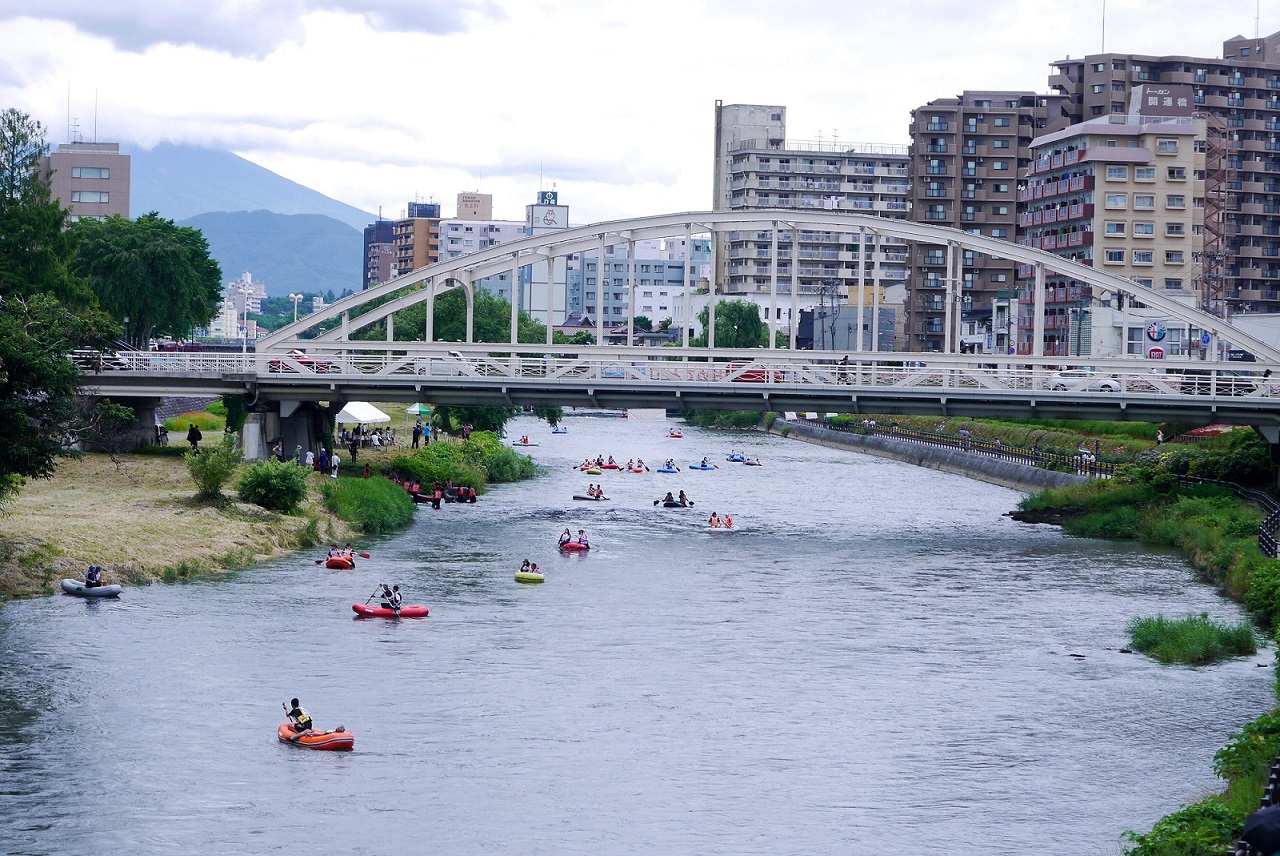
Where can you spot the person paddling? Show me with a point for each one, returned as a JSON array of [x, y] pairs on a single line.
[[565, 537], [582, 538], [93, 577], [682, 499], [668, 497], [394, 600], [300, 719]]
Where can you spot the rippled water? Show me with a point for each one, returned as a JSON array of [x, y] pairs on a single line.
[[879, 663]]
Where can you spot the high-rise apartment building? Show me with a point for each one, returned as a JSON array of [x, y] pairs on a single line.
[[1239, 95], [416, 238], [1117, 194], [756, 166], [92, 179], [379, 251], [967, 154]]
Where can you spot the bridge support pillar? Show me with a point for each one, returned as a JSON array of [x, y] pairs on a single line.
[[144, 431], [292, 423]]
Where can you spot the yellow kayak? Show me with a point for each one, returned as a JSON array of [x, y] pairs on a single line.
[[529, 577]]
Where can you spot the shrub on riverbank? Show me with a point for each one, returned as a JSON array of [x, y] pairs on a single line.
[[213, 466], [476, 462], [376, 505], [274, 485], [1195, 640], [729, 419]]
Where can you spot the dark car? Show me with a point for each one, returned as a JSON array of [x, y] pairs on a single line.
[[305, 361], [1201, 382]]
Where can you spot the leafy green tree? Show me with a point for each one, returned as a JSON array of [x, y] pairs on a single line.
[[644, 322], [41, 418], [275, 485], [150, 270], [493, 418], [492, 320], [582, 337], [738, 325], [552, 415], [34, 246], [213, 466]]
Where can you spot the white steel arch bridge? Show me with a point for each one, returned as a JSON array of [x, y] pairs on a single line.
[[336, 367]]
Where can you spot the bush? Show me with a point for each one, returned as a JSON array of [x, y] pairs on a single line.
[[274, 485], [375, 505], [1202, 829], [770, 418], [732, 419], [479, 461], [1194, 640], [1249, 754], [213, 466]]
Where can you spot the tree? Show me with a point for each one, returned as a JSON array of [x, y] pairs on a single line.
[[34, 245], [40, 415], [738, 325], [481, 417], [157, 274], [213, 466], [551, 414], [643, 322]]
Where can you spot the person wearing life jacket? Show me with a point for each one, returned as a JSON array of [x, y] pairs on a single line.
[[611, 461], [714, 520], [301, 720], [334, 551], [631, 462], [524, 566], [534, 569], [93, 577], [394, 600], [682, 499], [347, 552], [728, 522], [704, 462], [565, 537], [668, 497]]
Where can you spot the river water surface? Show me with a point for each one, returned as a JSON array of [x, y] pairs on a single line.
[[880, 662]]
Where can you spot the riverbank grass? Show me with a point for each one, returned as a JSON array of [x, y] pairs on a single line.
[[1195, 640], [376, 505]]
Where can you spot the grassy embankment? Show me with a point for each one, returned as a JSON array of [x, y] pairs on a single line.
[[139, 519], [1218, 533]]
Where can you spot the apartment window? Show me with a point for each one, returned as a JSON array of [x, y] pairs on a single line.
[[1108, 144], [1114, 228], [89, 196], [1174, 230], [1117, 86], [1000, 210], [1001, 122], [1114, 257], [1144, 230], [90, 172], [1173, 257], [1144, 173], [1177, 173], [1099, 67], [1117, 173], [1173, 284], [1000, 165], [1117, 200], [935, 212], [1001, 188], [1097, 88], [775, 117], [1095, 110], [1175, 201], [1143, 257], [999, 277], [936, 167], [1166, 147], [999, 233], [1000, 144], [1144, 201]]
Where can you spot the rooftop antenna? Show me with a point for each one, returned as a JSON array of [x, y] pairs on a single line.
[[95, 115], [539, 174], [69, 111], [1257, 16], [1104, 27]]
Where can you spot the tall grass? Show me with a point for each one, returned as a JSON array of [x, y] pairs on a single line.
[[482, 460], [1195, 640], [375, 505]]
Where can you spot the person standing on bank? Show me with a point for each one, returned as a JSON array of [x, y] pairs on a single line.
[[194, 436]]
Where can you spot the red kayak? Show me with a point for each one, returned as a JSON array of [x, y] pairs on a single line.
[[340, 740], [340, 563], [574, 547], [386, 612]]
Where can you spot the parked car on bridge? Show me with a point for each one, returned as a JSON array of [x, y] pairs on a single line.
[[753, 375], [303, 359], [1083, 380]]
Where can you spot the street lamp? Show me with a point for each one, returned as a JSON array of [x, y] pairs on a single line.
[[127, 340], [295, 298]]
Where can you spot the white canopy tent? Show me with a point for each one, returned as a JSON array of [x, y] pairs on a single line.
[[362, 413]]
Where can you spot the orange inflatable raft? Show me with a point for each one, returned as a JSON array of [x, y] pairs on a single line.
[[339, 740]]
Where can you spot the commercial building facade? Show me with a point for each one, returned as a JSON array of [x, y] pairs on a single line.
[[92, 179]]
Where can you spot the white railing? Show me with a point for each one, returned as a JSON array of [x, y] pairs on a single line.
[[459, 364]]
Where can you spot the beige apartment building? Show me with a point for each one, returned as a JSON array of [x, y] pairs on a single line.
[[92, 179], [416, 238], [1118, 193], [1239, 95], [966, 156]]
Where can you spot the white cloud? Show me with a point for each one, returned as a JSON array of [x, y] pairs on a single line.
[[376, 103]]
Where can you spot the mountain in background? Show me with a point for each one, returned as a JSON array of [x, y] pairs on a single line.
[[183, 181], [285, 252], [290, 237]]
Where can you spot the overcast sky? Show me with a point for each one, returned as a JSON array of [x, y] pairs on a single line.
[[379, 102]]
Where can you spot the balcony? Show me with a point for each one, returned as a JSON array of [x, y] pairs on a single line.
[[937, 125], [936, 148], [935, 170]]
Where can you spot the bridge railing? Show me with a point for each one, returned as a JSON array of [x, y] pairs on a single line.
[[796, 370]]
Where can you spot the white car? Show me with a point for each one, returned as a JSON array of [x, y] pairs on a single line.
[[1083, 380]]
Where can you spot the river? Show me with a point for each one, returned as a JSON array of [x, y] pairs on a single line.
[[879, 662]]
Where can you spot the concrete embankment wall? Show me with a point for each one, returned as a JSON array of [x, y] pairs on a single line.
[[989, 469]]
